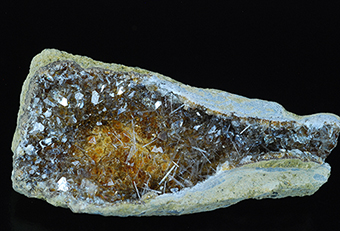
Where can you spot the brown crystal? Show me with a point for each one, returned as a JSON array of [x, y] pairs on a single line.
[[105, 136]]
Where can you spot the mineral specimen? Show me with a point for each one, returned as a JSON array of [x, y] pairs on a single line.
[[114, 140]]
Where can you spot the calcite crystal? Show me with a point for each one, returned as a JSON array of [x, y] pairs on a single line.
[[115, 140]]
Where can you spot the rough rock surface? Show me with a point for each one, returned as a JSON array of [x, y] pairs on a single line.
[[114, 140]]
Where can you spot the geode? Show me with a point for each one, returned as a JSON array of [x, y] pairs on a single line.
[[114, 140]]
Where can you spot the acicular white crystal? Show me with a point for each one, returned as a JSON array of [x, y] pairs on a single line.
[[120, 91], [245, 160], [48, 113], [174, 190], [110, 183], [74, 119], [29, 149], [157, 149], [37, 160], [62, 184], [49, 77], [36, 101], [121, 110], [92, 140], [131, 94], [48, 102], [38, 127], [95, 97], [157, 104], [88, 186], [48, 141], [75, 162], [197, 127], [63, 101], [33, 169], [78, 96], [212, 130]]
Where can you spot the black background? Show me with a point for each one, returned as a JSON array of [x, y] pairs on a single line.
[[279, 51]]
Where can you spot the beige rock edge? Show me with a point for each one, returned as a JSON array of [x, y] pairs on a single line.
[[266, 179]]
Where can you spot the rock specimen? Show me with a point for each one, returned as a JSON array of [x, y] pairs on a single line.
[[114, 140]]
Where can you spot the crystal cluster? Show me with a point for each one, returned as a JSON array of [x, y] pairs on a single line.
[[104, 136]]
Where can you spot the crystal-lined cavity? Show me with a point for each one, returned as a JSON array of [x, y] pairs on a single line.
[[106, 136]]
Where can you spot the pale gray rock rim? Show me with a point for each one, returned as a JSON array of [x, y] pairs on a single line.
[[257, 181]]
